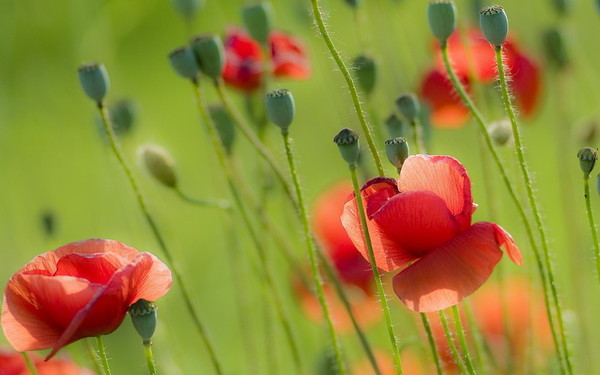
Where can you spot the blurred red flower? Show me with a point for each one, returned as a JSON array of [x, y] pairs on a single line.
[[422, 225], [476, 59], [244, 59], [79, 290], [12, 363]]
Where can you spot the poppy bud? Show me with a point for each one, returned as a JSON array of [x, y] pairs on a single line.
[[224, 124], [257, 19], [587, 159], [561, 6], [441, 15], [143, 315], [122, 115], [208, 49], [281, 108], [187, 8], [408, 106], [347, 141], [365, 70], [397, 151], [184, 62], [555, 48], [160, 164], [94, 80], [500, 132], [494, 24], [395, 126]]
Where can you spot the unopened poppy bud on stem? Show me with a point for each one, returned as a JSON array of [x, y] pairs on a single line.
[[122, 115], [257, 19], [441, 15], [397, 151], [160, 164], [365, 71], [587, 160], [408, 106], [208, 49], [556, 48], [187, 8], [395, 126], [347, 141], [94, 81], [143, 315], [494, 24], [500, 132], [184, 62], [281, 108], [224, 124]]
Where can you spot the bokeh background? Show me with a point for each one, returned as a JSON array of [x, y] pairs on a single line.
[[55, 161]]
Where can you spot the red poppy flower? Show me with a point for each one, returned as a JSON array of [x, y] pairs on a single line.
[[79, 290], [477, 60], [422, 225], [244, 59], [12, 363]]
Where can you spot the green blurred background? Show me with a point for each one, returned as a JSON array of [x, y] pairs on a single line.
[[54, 159]]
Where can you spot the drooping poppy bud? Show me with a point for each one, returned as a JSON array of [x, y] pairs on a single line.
[[160, 164], [187, 8], [556, 48], [441, 15], [365, 70], [587, 160], [408, 106], [500, 132], [281, 108], [395, 126], [208, 49], [94, 81], [494, 24], [184, 62], [397, 151], [257, 19], [143, 315], [347, 141], [224, 124]]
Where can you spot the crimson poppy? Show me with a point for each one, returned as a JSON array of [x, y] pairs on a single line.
[[79, 290], [473, 58], [12, 363], [244, 63], [421, 224]]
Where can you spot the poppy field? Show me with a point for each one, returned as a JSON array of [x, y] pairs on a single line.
[[313, 187]]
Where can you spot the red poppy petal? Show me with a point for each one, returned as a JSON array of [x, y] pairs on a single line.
[[445, 276], [96, 268], [418, 221], [447, 110], [243, 61], [504, 239], [288, 56], [444, 176], [376, 193], [525, 83]]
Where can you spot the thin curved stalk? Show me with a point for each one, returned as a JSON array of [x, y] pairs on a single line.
[[462, 340], [590, 214], [102, 355], [149, 358], [450, 341], [430, 339], [29, 364]]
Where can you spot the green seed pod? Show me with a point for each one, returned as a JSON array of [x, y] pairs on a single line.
[[395, 126], [441, 15], [397, 151], [208, 49], [257, 19], [347, 141], [587, 159], [408, 106], [224, 124], [555, 48], [184, 62], [122, 115], [365, 70], [94, 81], [494, 24], [143, 315], [500, 132], [160, 164], [187, 8], [562, 7], [281, 108]]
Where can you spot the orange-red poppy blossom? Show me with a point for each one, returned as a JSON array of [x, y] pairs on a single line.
[[79, 290], [473, 58], [12, 363], [244, 65], [421, 224]]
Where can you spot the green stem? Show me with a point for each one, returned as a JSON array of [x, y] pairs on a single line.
[[149, 358], [158, 236], [209, 203], [478, 339], [102, 355], [30, 366], [462, 340], [590, 214], [462, 93], [534, 207], [430, 339], [450, 341], [375, 269], [92, 354], [318, 280], [239, 205], [317, 13], [417, 138]]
